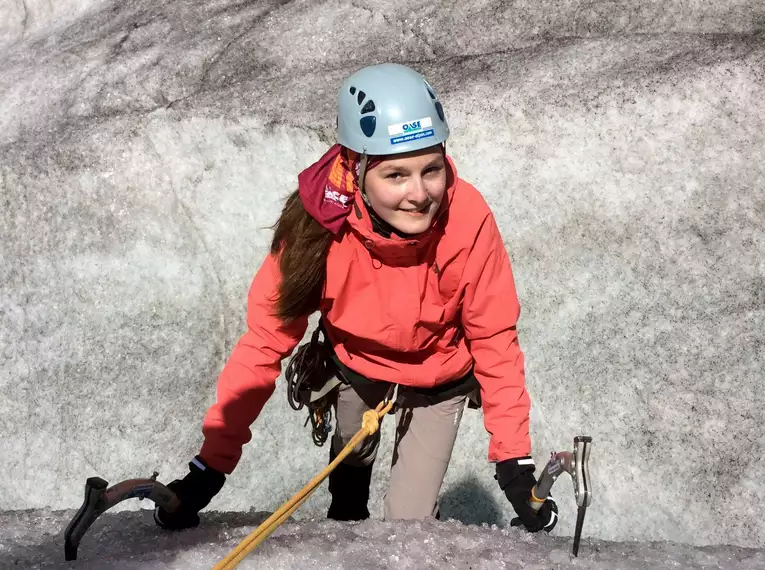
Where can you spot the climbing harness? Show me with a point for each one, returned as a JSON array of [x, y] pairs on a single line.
[[314, 372]]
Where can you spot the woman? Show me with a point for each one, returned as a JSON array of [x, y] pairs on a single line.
[[406, 265]]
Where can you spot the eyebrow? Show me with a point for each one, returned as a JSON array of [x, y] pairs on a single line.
[[391, 167]]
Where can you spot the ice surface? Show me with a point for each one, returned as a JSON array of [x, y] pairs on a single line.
[[146, 147], [127, 541]]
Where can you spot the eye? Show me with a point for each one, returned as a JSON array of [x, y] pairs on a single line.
[[393, 175]]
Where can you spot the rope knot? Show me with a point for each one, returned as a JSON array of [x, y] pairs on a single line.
[[370, 422]]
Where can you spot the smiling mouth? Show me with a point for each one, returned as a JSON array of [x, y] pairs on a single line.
[[418, 211]]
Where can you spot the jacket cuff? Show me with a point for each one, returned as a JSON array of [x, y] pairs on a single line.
[[511, 469]]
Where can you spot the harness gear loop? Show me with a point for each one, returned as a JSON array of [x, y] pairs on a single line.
[[370, 425], [310, 382]]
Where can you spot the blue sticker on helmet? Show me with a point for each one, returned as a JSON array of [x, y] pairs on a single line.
[[412, 137]]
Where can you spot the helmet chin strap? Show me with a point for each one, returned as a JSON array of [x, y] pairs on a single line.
[[362, 175]]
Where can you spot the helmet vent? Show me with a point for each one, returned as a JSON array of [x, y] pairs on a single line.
[[432, 95], [368, 125], [360, 97], [368, 108], [353, 90], [440, 111]]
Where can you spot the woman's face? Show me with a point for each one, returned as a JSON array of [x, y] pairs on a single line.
[[406, 190]]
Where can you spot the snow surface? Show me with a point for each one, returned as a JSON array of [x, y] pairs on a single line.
[[127, 541], [146, 147]]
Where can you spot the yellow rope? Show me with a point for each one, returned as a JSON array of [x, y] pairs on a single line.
[[370, 423]]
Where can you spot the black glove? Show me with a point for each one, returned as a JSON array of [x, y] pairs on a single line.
[[195, 491], [516, 479]]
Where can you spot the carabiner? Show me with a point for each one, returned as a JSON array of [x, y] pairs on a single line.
[[392, 395]]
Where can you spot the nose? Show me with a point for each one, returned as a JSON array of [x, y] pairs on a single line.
[[417, 191]]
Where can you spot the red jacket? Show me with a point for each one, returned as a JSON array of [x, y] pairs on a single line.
[[415, 312]]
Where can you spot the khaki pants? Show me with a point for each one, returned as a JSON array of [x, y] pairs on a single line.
[[423, 446]]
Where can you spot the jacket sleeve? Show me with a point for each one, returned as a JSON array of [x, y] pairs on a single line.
[[489, 316], [249, 376]]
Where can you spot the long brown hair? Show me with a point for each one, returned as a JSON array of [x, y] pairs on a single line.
[[303, 244]]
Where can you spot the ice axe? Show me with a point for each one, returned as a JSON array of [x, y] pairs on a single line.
[[99, 499], [575, 464]]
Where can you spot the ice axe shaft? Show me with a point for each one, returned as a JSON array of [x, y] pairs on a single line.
[[576, 464], [578, 532]]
